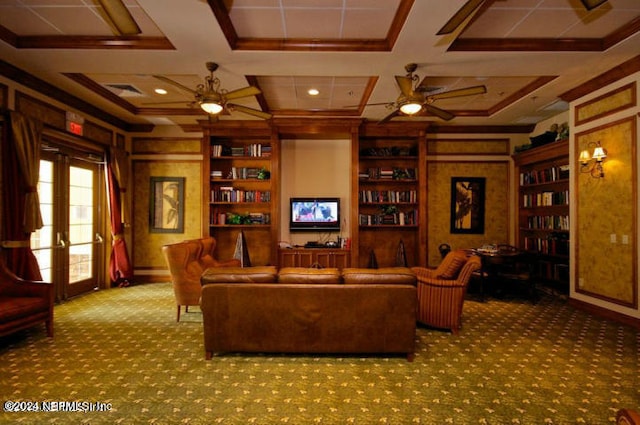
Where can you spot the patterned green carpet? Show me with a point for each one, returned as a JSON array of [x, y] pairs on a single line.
[[513, 363]]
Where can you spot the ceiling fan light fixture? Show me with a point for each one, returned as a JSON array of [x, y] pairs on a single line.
[[410, 108], [210, 106]]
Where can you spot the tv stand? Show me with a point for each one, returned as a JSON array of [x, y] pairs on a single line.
[[317, 256]]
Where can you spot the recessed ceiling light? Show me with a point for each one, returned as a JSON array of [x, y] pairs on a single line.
[[313, 92], [160, 91]]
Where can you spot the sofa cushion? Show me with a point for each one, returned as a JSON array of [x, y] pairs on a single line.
[[309, 275], [258, 274], [384, 275]]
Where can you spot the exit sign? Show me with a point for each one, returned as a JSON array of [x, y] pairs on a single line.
[[75, 123]]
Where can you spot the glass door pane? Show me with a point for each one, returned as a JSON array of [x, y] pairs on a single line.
[[42, 239], [81, 224]]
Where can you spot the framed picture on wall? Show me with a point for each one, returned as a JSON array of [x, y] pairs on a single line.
[[467, 205], [166, 214]]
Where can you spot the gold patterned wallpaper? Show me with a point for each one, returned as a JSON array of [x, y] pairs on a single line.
[[607, 207], [496, 222], [147, 246], [166, 145], [467, 146]]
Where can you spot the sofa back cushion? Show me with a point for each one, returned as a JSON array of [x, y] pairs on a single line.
[[384, 275], [309, 275], [258, 274]]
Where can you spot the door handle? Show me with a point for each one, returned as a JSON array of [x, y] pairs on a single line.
[[60, 242], [99, 238]]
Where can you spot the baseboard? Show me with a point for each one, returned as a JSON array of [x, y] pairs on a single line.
[[605, 313]]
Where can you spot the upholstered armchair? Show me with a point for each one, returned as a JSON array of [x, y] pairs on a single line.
[[627, 417], [186, 262], [441, 291]]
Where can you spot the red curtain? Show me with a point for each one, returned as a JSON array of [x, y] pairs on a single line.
[[120, 269], [18, 256]]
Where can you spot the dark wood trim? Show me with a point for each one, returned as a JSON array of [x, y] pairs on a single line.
[[89, 42], [605, 313], [47, 89], [98, 89], [480, 129], [527, 45], [519, 94], [611, 76], [4, 96], [622, 33], [308, 44]]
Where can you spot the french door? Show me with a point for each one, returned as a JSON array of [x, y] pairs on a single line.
[[69, 247]]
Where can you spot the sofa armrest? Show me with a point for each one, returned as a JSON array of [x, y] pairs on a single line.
[[14, 286], [423, 272]]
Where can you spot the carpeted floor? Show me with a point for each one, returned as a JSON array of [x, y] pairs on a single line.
[[513, 363]]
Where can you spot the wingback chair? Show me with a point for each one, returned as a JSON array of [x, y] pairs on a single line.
[[627, 417], [441, 291], [186, 262]]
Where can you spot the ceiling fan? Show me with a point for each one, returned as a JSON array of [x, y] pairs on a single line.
[[214, 100], [413, 100], [471, 5]]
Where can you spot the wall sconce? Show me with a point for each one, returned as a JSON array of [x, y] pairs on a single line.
[[592, 163]]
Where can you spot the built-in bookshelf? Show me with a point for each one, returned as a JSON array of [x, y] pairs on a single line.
[[242, 191], [391, 179], [543, 211]]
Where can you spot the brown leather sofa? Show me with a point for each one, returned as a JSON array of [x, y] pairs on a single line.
[[300, 310], [24, 303], [187, 261]]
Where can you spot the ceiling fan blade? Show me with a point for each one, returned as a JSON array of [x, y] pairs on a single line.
[[468, 91], [174, 83], [592, 4], [445, 115], [243, 92], [369, 104], [459, 17], [388, 117], [249, 111], [406, 84], [175, 102]]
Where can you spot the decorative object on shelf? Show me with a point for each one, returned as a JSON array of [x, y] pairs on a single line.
[[563, 131], [592, 162], [389, 209], [401, 255], [263, 174], [373, 262], [166, 203], [242, 251], [547, 137], [467, 205]]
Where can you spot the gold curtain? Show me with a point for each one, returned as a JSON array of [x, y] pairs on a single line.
[[27, 133]]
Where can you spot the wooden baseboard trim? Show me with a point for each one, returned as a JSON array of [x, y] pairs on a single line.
[[605, 313]]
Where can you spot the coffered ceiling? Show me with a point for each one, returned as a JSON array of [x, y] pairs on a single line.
[[527, 53]]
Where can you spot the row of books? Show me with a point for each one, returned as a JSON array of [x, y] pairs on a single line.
[[550, 222], [546, 175], [218, 218], [253, 150], [377, 196], [230, 194], [397, 219], [550, 246], [389, 151], [378, 173], [237, 173], [545, 199]]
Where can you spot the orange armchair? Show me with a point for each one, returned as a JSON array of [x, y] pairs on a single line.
[[186, 262], [441, 295], [627, 417]]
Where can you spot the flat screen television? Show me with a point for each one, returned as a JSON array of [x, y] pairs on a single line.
[[314, 214]]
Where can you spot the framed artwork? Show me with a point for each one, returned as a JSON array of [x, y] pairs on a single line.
[[166, 214], [467, 205]]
